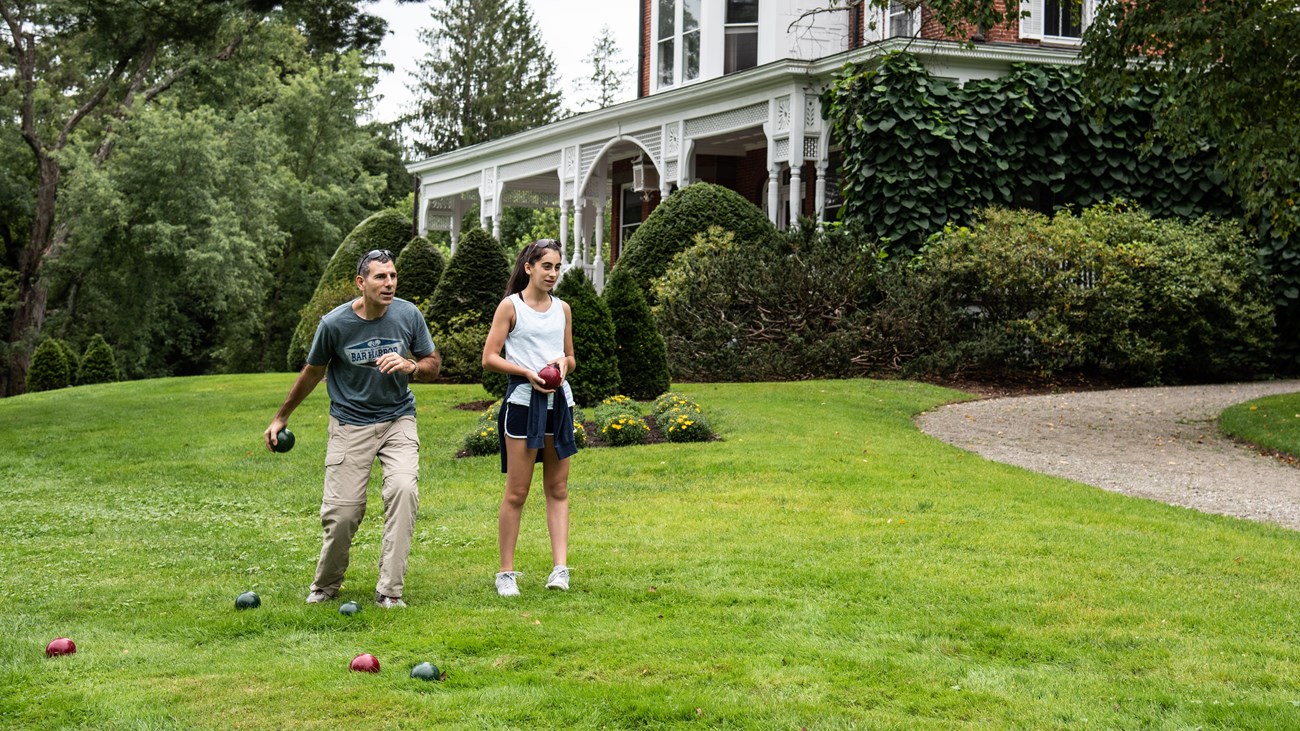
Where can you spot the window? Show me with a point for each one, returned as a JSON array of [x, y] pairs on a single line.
[[1060, 21], [900, 21], [629, 214], [667, 21], [1063, 18], [741, 46], [678, 52]]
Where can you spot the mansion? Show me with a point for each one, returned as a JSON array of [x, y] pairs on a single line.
[[728, 93]]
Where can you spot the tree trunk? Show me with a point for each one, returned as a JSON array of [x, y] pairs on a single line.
[[33, 295]]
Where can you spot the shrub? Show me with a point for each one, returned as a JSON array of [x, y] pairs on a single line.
[[461, 347], [579, 433], [639, 348], [74, 360], [1112, 291], [685, 425], [670, 400], [49, 367], [596, 374], [473, 282], [419, 267], [389, 229], [781, 309], [620, 426], [464, 301], [99, 365], [482, 440], [672, 226]]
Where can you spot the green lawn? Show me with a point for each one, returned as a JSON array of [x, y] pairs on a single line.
[[826, 566], [1272, 422]]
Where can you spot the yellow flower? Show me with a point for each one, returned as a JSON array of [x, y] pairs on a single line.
[[615, 426]]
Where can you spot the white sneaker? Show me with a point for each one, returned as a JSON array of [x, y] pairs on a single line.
[[507, 583], [317, 597], [559, 578], [389, 602]]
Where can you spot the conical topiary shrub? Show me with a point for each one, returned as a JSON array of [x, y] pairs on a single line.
[[419, 267], [473, 282], [641, 353], [389, 229], [460, 310], [596, 374], [74, 360], [99, 365], [49, 367], [673, 225]]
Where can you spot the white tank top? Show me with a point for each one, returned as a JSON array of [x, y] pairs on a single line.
[[537, 339]]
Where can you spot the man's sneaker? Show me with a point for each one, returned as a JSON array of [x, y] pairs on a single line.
[[507, 583], [317, 596], [388, 602], [559, 578]]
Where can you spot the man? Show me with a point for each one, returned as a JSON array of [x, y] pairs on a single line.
[[364, 346]]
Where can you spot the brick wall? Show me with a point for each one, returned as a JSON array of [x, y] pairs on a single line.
[[1008, 33], [643, 85]]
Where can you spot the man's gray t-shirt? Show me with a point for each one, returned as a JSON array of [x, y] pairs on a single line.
[[350, 345]]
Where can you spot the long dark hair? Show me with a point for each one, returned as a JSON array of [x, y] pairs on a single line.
[[529, 255]]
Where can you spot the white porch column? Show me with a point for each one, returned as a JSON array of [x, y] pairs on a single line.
[[821, 192], [564, 228], [577, 230], [598, 278], [457, 211], [774, 193], [496, 226], [796, 197]]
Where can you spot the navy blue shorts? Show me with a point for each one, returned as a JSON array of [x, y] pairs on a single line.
[[517, 421]]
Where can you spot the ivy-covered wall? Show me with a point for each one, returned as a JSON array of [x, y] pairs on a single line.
[[920, 152]]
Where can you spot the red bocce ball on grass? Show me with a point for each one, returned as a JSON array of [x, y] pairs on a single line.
[[61, 646], [364, 663]]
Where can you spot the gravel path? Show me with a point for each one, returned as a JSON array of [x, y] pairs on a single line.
[[1157, 443]]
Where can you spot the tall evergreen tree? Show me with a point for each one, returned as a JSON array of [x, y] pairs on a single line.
[[609, 73], [487, 74], [642, 353]]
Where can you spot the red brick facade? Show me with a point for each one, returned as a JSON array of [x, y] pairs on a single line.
[[1008, 33]]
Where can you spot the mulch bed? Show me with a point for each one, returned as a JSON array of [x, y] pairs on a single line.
[[594, 441]]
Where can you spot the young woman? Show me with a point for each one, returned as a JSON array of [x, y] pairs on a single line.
[[535, 423]]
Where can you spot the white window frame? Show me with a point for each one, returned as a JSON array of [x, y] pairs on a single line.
[[678, 39], [739, 29], [897, 11], [624, 233], [1033, 26]]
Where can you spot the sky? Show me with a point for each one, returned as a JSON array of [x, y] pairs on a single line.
[[568, 27]]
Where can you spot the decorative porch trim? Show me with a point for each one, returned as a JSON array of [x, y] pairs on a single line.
[[749, 116], [454, 186], [547, 163]]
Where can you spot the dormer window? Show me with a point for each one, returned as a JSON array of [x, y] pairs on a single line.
[[741, 50], [678, 39]]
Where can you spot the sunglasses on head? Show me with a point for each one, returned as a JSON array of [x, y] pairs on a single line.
[[374, 255]]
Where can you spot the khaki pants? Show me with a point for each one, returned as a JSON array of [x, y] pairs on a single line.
[[348, 459]]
